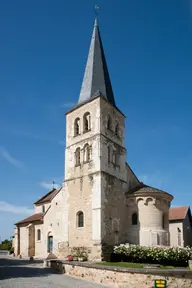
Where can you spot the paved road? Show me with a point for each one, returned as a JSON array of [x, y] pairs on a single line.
[[16, 273]]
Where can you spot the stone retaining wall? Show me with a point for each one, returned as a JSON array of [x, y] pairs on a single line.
[[124, 277]]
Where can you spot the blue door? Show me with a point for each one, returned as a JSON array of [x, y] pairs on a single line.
[[50, 244]]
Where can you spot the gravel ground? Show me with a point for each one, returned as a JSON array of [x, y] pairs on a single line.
[[15, 273]]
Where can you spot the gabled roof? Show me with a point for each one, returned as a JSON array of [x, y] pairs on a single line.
[[32, 218], [130, 170], [48, 197], [178, 213], [96, 81]]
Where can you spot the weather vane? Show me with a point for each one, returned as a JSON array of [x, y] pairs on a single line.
[[53, 183], [96, 8]]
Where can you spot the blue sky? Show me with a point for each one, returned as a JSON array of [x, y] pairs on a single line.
[[44, 46]]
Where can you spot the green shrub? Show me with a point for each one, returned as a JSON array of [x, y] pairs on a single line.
[[176, 256]]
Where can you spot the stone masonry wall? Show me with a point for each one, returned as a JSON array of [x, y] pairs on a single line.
[[24, 241], [114, 212], [125, 278]]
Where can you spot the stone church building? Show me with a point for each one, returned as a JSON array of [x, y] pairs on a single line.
[[101, 202]]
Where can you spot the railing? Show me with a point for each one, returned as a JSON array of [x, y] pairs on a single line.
[[4, 252]]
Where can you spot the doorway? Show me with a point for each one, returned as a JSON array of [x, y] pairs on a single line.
[[50, 244]]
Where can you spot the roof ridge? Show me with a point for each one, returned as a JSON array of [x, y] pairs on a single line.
[[133, 172], [145, 185], [45, 196], [178, 213], [58, 190], [30, 218], [183, 206]]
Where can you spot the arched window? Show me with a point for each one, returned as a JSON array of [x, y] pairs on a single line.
[[109, 154], [117, 158], [80, 219], [86, 122], [77, 127], [86, 153], [109, 123], [38, 235], [114, 157], [163, 221], [134, 219], [117, 129], [77, 156]]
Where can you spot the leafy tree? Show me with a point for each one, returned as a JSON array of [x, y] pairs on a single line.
[[6, 245]]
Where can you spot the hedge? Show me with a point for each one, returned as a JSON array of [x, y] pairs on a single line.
[[168, 256]]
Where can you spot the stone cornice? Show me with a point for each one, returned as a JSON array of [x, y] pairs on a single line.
[[95, 135], [91, 174]]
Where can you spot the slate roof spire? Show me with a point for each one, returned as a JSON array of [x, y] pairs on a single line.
[[96, 81]]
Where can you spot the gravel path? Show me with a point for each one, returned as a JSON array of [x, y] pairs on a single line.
[[16, 273]]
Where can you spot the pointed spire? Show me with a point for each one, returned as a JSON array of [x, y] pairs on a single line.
[[96, 78], [96, 22]]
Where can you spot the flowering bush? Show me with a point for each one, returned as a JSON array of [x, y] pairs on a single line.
[[69, 258], [175, 256]]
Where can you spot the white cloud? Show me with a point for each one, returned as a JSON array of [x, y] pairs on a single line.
[[49, 185], [68, 104], [6, 155], [7, 207], [156, 180]]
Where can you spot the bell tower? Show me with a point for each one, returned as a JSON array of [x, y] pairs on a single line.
[[95, 160]]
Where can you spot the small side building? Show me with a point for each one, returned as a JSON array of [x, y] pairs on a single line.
[[33, 236], [180, 226]]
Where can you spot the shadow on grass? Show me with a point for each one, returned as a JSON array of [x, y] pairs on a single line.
[[14, 268]]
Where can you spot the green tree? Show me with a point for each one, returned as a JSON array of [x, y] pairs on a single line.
[[6, 245]]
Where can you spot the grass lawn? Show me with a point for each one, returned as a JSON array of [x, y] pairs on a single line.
[[129, 265], [121, 264]]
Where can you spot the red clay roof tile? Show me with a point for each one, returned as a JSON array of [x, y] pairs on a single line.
[[32, 218], [47, 197], [178, 213]]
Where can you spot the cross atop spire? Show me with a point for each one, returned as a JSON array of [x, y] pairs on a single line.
[[96, 8], [96, 81]]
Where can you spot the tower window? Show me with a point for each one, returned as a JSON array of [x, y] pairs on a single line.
[[134, 219], [77, 157], [114, 157], [43, 208], [117, 129], [163, 221], [117, 158], [80, 219], [109, 123], [38, 235], [109, 154], [87, 153], [86, 122], [77, 127]]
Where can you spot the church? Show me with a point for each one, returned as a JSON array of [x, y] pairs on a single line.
[[101, 202]]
